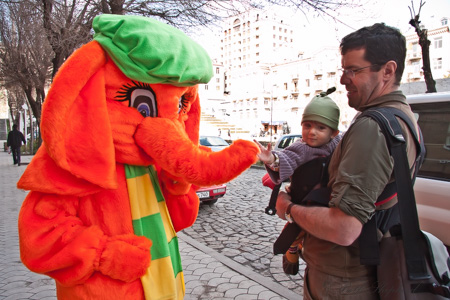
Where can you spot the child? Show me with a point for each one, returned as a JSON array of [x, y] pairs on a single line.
[[320, 137]]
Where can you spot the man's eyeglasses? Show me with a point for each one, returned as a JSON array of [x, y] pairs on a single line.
[[350, 73]]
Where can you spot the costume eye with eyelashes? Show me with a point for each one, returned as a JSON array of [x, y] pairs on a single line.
[[182, 104], [140, 96]]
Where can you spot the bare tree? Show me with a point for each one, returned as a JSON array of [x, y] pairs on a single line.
[[424, 43], [67, 25], [24, 55], [39, 35]]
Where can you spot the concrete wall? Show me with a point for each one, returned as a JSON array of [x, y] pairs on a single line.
[[419, 87]]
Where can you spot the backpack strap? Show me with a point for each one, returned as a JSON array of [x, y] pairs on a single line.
[[303, 181], [412, 235]]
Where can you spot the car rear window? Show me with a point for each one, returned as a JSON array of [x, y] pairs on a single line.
[[212, 141], [434, 121], [287, 141]]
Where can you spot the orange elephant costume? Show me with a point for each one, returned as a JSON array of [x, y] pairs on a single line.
[[99, 117]]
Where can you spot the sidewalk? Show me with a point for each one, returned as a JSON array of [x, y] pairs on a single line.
[[208, 274]]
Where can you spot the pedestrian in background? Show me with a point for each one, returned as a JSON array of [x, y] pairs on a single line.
[[373, 60], [14, 142]]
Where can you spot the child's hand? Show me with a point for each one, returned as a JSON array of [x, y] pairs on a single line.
[[265, 155]]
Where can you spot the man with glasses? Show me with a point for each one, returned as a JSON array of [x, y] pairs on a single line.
[[373, 60]]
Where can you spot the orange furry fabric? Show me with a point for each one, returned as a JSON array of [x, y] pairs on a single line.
[[75, 224]]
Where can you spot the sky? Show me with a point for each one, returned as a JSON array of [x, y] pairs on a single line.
[[392, 12], [321, 30]]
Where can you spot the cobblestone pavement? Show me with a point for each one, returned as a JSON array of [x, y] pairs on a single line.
[[237, 228], [227, 254]]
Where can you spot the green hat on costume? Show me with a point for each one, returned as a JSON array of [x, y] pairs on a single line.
[[322, 109], [153, 52]]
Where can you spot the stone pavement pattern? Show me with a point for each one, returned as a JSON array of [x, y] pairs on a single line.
[[225, 255]]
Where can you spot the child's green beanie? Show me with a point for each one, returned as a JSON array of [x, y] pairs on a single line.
[[322, 109]]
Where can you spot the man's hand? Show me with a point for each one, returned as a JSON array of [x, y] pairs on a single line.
[[326, 223], [283, 202], [265, 155]]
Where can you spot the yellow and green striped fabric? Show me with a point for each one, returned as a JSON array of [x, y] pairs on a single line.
[[164, 278]]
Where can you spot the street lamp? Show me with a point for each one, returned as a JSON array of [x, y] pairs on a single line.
[[25, 108], [274, 87]]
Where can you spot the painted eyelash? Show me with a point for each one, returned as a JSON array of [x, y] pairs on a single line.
[[184, 102], [124, 93]]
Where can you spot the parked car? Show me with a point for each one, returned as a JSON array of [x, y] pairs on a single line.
[[211, 194], [216, 143], [432, 187], [287, 140]]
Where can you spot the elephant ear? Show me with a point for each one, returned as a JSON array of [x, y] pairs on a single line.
[[75, 124], [192, 123]]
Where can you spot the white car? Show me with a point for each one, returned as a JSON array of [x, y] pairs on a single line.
[[210, 194], [216, 143], [432, 187], [287, 140]]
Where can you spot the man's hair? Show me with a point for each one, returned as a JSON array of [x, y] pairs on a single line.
[[14, 126], [382, 44]]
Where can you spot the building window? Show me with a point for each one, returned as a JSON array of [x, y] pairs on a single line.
[[415, 47], [438, 42], [217, 80], [217, 70], [437, 63], [206, 87], [444, 21], [307, 82], [218, 88]]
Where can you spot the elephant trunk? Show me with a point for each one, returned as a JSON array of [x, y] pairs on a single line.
[[168, 144]]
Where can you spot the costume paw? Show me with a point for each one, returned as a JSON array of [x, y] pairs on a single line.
[[125, 257]]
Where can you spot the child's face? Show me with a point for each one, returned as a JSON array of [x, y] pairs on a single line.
[[316, 134]]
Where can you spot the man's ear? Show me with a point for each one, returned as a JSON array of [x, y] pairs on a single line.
[[389, 70]]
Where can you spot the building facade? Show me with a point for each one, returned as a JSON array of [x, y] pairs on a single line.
[[439, 54], [268, 81]]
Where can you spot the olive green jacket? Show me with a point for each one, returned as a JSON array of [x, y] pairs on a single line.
[[359, 169]]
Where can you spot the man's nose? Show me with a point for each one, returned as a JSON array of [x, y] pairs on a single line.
[[344, 79]]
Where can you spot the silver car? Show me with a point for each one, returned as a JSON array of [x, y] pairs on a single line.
[[432, 187], [287, 140], [216, 143]]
